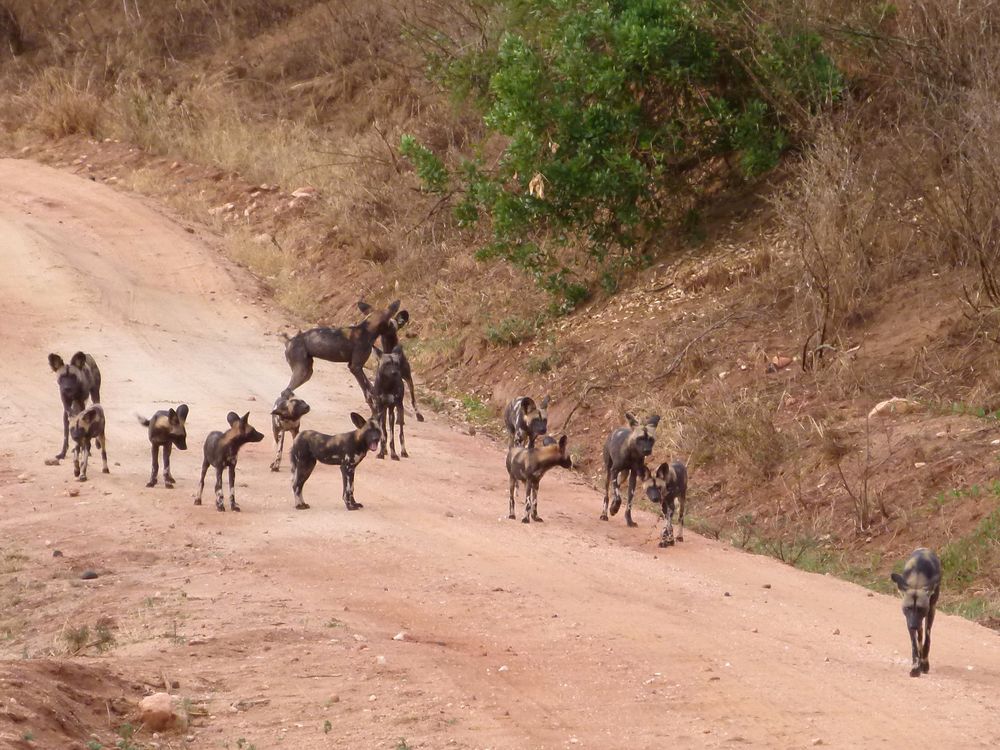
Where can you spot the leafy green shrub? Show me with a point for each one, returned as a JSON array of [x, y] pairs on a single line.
[[611, 112]]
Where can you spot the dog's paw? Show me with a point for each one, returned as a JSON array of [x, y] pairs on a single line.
[[151, 483], [105, 470], [604, 516], [394, 457], [302, 506], [197, 501], [525, 520]]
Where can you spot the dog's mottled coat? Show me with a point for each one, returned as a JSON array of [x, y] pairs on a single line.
[[525, 420], [286, 416], [85, 426], [347, 449], [77, 381], [625, 452], [920, 584], [166, 431], [221, 452], [529, 465]]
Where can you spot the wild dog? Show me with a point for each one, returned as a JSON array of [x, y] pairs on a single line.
[[347, 449], [221, 451], [77, 381], [525, 420], [920, 583], [352, 344], [662, 487], [387, 394], [390, 340], [166, 430], [85, 426], [625, 452], [285, 417], [529, 465]]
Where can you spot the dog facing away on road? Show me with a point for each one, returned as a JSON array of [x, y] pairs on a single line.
[[525, 420], [351, 344], [166, 431], [387, 394], [85, 426], [529, 465], [390, 340], [920, 583], [625, 452], [77, 381], [221, 452], [285, 417], [662, 487], [347, 449]]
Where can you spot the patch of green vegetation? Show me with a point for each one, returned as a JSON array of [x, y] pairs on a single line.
[[327, 727], [12, 561], [976, 608], [476, 410], [511, 331], [963, 559], [76, 638], [28, 735], [94, 745], [541, 364]]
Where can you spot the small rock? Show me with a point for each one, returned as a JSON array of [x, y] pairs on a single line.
[[372, 698], [754, 630], [817, 741], [333, 698], [503, 668], [894, 406], [304, 192], [358, 637], [779, 362], [826, 659], [163, 712], [767, 585], [400, 636], [51, 462], [189, 738], [251, 398], [88, 575], [727, 594], [22, 478], [380, 660], [57, 553], [449, 514], [471, 430], [919, 464], [73, 492], [836, 631]]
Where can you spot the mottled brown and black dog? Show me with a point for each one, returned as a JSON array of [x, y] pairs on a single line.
[[525, 420], [85, 426], [77, 381], [347, 449], [286, 416], [390, 340], [920, 583], [166, 431], [625, 452], [350, 344], [529, 465], [387, 393], [221, 451], [662, 487]]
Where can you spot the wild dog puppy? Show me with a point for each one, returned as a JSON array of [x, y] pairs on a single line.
[[390, 340], [920, 583], [347, 449], [387, 393], [166, 430], [351, 344], [525, 420], [221, 451], [285, 417], [529, 465], [662, 487], [77, 381], [85, 426], [625, 452]]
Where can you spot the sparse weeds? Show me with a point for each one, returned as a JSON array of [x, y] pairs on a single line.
[[511, 331], [476, 410], [963, 559], [12, 561], [76, 637]]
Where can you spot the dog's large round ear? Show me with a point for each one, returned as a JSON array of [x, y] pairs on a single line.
[[245, 418], [563, 440], [397, 349], [899, 581], [56, 362], [394, 307], [182, 411], [172, 415], [364, 307], [630, 418], [545, 401], [358, 420], [653, 420], [663, 470], [402, 318], [232, 417], [78, 360], [378, 352]]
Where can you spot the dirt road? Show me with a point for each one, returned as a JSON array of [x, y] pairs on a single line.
[[278, 624]]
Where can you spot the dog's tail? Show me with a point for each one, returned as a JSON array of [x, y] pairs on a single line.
[[142, 420]]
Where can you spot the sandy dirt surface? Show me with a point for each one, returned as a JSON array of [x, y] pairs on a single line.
[[278, 625]]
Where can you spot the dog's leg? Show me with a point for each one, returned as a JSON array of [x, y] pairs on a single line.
[[201, 485], [347, 471], [154, 451], [628, 504], [232, 488], [616, 504], [76, 460], [413, 399], [302, 469], [220, 501], [302, 368], [356, 367], [680, 517], [65, 445], [513, 489], [381, 424], [925, 652], [534, 502], [527, 501], [667, 537], [392, 432], [168, 478], [915, 638], [402, 438], [86, 459], [104, 455], [279, 443], [607, 487]]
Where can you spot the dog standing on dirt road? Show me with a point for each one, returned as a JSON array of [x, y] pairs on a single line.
[[77, 381], [221, 451], [529, 465], [662, 487], [285, 417], [625, 452], [166, 430], [390, 340], [85, 426], [347, 449], [351, 344], [525, 420], [387, 394], [920, 583]]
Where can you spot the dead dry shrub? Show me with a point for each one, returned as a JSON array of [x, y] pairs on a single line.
[[63, 103], [738, 427]]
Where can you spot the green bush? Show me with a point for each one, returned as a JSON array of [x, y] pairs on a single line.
[[611, 111]]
